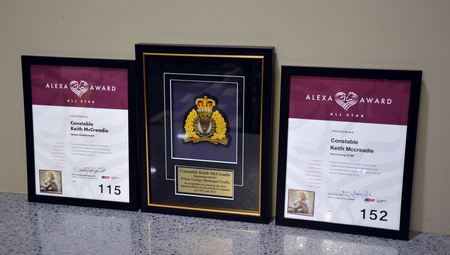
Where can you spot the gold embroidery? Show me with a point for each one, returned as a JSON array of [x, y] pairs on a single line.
[[205, 125]]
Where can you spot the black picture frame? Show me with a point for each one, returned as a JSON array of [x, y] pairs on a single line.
[[347, 153], [80, 119], [196, 174]]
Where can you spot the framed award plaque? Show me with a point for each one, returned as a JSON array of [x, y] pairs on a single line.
[[347, 145], [80, 119], [206, 125]]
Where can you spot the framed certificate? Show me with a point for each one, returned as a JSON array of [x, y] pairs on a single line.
[[206, 129], [347, 145], [80, 119]]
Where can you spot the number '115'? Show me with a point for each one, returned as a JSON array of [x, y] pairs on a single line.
[[109, 189]]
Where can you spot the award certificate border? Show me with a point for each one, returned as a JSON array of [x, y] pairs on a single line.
[[155, 62], [307, 90], [78, 64]]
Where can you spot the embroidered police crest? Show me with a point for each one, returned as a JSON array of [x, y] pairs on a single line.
[[206, 123]]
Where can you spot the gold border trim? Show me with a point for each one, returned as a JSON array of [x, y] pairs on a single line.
[[201, 55], [209, 209], [204, 209]]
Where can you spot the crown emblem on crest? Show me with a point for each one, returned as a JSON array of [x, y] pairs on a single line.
[[205, 123], [205, 105]]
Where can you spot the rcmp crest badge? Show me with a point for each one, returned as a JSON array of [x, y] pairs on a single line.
[[206, 123]]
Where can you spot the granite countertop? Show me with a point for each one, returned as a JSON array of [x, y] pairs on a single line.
[[36, 228]]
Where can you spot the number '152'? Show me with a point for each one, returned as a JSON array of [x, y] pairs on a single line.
[[374, 215]]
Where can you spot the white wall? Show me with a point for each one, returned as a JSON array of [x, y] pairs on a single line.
[[385, 34]]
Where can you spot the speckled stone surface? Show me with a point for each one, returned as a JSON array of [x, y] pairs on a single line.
[[36, 228]]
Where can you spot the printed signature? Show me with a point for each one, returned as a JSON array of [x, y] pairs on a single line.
[[90, 171], [353, 194]]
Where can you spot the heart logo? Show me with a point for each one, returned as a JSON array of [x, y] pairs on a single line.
[[79, 88], [346, 101]]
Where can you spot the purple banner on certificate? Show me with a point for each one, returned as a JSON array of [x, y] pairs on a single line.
[[79, 86], [349, 99]]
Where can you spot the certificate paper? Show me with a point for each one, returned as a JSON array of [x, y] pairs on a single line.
[[345, 154], [80, 129]]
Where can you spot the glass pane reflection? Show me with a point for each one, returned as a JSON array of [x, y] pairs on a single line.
[[193, 238], [66, 233], [298, 244]]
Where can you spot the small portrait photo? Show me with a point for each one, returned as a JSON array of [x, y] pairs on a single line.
[[50, 181], [301, 202]]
